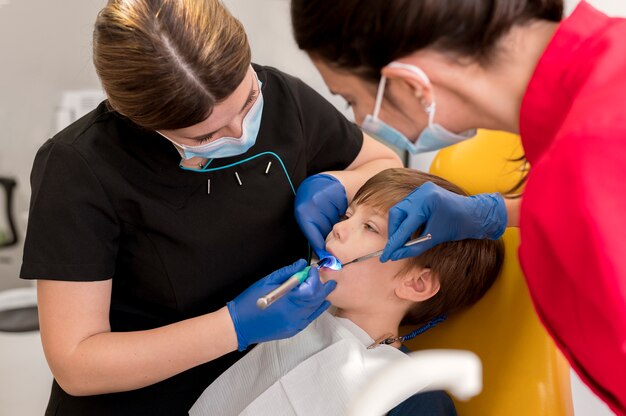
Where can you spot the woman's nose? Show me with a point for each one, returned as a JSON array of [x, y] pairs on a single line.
[[235, 128]]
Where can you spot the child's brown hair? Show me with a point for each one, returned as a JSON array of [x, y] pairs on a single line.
[[465, 269]]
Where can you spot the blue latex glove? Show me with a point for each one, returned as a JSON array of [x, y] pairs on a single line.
[[285, 317], [446, 215], [320, 201]]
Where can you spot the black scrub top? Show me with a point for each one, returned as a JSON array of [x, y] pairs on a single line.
[[110, 201]]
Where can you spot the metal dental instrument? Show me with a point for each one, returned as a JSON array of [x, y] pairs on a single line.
[[329, 262], [379, 252], [293, 281]]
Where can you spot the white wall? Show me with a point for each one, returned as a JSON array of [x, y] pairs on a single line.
[[268, 26], [45, 47], [610, 7]]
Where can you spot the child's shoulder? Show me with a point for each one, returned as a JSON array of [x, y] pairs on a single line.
[[431, 403]]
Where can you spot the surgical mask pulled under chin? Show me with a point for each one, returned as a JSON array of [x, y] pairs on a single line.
[[228, 146], [433, 137]]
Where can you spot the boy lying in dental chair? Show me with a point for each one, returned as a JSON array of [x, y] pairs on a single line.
[[318, 371]]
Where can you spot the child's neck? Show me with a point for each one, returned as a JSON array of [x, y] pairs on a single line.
[[375, 323]]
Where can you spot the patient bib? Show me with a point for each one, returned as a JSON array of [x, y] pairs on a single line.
[[317, 372]]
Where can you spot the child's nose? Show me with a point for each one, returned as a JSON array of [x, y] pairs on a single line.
[[340, 230]]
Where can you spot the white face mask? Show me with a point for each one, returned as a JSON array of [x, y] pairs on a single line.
[[228, 146], [433, 137]]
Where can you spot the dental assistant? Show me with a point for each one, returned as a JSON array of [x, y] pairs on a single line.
[[154, 218], [425, 74]]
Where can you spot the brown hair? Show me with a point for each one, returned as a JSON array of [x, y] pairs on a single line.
[[466, 269], [165, 64], [363, 36]]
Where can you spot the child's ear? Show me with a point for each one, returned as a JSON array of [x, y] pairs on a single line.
[[418, 286]]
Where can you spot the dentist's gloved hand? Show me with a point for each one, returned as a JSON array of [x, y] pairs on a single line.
[[445, 215], [285, 317], [320, 201]]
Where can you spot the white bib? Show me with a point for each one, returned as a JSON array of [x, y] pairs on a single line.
[[317, 372]]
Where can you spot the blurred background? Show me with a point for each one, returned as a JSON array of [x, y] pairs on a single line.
[[47, 80]]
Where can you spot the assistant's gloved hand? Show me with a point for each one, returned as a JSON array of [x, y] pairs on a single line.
[[320, 201], [285, 317], [446, 215]]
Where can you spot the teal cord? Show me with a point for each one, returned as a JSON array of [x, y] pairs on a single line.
[[205, 168]]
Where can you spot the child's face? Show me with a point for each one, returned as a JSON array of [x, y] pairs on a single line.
[[363, 284]]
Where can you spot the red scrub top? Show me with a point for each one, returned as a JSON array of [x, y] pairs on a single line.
[[573, 215]]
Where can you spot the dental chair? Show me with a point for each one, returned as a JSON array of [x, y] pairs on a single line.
[[523, 372]]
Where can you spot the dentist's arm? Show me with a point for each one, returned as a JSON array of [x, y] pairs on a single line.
[[86, 358], [373, 158], [321, 199]]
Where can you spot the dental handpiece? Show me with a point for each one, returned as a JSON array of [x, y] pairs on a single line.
[[293, 281], [379, 252], [329, 262]]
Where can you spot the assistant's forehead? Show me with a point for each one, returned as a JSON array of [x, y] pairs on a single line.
[[343, 82]]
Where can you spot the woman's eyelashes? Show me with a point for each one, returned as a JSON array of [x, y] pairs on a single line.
[[204, 139], [252, 98], [209, 137]]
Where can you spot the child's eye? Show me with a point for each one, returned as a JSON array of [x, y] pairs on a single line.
[[343, 217], [370, 228]]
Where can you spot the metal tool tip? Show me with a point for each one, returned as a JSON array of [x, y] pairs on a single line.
[[330, 262]]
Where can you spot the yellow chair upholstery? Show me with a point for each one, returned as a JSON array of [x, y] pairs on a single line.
[[523, 372]]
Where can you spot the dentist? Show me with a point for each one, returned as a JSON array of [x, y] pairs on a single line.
[[424, 74], [154, 218]]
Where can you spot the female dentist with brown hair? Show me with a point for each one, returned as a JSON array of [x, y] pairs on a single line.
[[424, 74], [154, 218]]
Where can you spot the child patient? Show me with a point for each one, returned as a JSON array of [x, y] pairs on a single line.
[[319, 370]]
